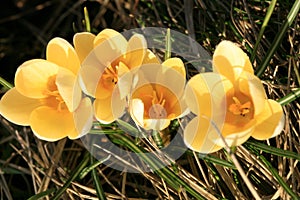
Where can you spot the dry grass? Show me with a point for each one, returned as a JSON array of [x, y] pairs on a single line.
[[29, 166]]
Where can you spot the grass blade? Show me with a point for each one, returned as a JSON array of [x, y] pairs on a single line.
[[93, 165], [87, 20], [41, 194], [278, 177], [275, 174], [164, 172], [5, 84], [73, 176], [290, 97], [98, 186], [97, 183], [290, 18], [272, 150], [168, 45], [217, 161], [263, 27]]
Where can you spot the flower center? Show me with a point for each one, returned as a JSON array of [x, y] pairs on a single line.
[[110, 76], [159, 101], [239, 109], [157, 110], [53, 98]]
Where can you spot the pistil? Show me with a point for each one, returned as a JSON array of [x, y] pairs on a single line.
[[237, 108], [111, 73], [157, 110]]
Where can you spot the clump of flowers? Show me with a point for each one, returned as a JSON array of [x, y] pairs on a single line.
[[230, 104], [47, 95]]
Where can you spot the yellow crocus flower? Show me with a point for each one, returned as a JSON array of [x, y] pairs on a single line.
[[105, 58], [47, 95], [230, 101], [157, 95]]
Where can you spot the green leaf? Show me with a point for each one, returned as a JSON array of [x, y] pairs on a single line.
[[41, 194], [278, 38], [98, 186], [263, 27], [272, 150], [73, 176], [93, 165], [164, 172], [217, 161], [275, 174], [290, 97], [128, 128], [278, 177], [87, 20], [5, 84], [168, 45]]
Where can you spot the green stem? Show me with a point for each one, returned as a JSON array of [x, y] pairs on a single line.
[[278, 38], [157, 139], [290, 97]]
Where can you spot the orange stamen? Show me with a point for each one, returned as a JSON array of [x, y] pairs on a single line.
[[239, 109]]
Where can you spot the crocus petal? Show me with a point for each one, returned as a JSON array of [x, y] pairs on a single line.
[[176, 64], [50, 125], [109, 109], [136, 51], [84, 44], [270, 122], [136, 109], [192, 95], [83, 118], [183, 109], [122, 69], [125, 80], [196, 135], [108, 52], [32, 77], [17, 108], [90, 74], [61, 52], [175, 106], [234, 135], [150, 58], [172, 79], [229, 56], [156, 124], [115, 38], [68, 87], [147, 73], [102, 92], [149, 82], [205, 95], [252, 87]]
